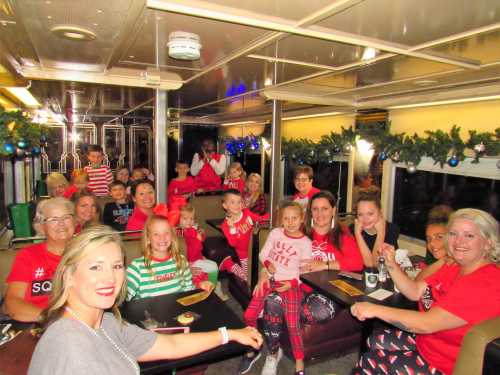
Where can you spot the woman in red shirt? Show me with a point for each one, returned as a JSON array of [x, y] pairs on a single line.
[[451, 300]]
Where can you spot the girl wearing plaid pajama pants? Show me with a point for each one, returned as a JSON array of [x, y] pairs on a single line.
[[281, 255]]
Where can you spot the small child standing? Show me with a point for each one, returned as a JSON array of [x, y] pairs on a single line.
[[281, 256], [235, 178], [162, 269], [116, 213], [183, 184], [238, 228], [194, 237], [100, 175], [79, 183]]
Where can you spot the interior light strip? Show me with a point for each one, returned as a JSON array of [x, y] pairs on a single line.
[[23, 95], [444, 102]]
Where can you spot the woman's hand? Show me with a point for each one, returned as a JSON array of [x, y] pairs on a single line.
[[364, 310], [206, 286], [262, 284], [312, 266], [357, 227], [247, 336], [284, 286], [388, 252], [380, 225], [271, 268]]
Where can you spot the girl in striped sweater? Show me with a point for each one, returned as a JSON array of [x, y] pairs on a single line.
[[162, 269]]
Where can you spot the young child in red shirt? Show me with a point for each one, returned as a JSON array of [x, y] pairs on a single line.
[[183, 184], [235, 178], [281, 256], [238, 228], [79, 183], [100, 175]]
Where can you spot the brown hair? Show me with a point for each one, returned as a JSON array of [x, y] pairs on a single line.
[[237, 165], [303, 169], [439, 214], [369, 197], [94, 148], [76, 198]]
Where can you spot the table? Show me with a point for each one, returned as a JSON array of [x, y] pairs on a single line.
[[214, 314], [320, 281], [254, 271]]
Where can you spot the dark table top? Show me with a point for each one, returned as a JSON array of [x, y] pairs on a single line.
[[320, 281], [214, 314], [215, 223]]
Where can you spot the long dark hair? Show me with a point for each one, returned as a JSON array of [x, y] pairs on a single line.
[[334, 234]]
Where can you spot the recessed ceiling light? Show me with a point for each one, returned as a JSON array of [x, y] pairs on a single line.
[[369, 53], [73, 33], [131, 57], [48, 2], [95, 24], [99, 10], [49, 17]]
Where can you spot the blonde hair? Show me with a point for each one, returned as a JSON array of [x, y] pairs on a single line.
[[54, 180], [289, 204], [237, 165], [147, 250], [79, 174], [76, 249], [486, 225], [188, 209]]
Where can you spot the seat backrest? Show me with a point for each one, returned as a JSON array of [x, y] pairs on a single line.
[[6, 259], [470, 358], [132, 248], [208, 207]]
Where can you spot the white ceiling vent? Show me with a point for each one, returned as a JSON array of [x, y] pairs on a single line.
[[184, 46]]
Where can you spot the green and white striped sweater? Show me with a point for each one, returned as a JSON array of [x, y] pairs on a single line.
[[162, 278]]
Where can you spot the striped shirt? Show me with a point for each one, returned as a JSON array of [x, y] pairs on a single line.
[[162, 278], [99, 179]]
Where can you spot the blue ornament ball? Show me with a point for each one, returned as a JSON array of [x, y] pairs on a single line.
[[22, 144], [383, 156], [36, 151], [240, 145], [453, 161], [9, 148]]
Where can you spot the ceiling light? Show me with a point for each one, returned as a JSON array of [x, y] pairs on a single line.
[[238, 123], [425, 82], [268, 82], [443, 102], [73, 33], [369, 53], [184, 46], [49, 17], [23, 95], [99, 10], [313, 115]]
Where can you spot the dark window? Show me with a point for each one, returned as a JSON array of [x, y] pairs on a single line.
[[415, 194]]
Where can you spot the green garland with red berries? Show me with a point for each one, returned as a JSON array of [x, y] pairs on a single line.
[[443, 147]]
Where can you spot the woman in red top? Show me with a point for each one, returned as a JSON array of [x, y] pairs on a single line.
[[29, 283], [144, 196], [451, 300]]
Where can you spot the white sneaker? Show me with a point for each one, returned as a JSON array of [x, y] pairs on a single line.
[[220, 293], [271, 365]]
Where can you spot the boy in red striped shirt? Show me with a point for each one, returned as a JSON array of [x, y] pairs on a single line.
[[100, 175]]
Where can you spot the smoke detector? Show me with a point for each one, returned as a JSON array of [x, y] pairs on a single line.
[[184, 46]]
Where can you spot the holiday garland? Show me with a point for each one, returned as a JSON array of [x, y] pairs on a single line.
[[442, 147], [18, 135]]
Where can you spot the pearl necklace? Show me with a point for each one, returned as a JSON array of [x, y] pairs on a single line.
[[94, 332]]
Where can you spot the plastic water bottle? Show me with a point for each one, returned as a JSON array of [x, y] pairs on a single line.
[[382, 270]]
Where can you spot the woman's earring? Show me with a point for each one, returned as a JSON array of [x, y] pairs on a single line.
[[333, 223]]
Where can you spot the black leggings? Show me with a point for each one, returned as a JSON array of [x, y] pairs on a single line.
[[316, 309], [393, 352]]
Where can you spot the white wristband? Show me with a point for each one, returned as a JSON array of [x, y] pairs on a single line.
[[224, 334]]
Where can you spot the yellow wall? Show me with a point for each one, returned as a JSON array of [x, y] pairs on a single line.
[[480, 116], [314, 128]]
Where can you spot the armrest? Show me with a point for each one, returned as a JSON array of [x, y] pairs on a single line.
[[470, 358]]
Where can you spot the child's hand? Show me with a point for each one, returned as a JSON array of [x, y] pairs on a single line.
[[200, 234], [270, 267], [284, 286], [206, 286]]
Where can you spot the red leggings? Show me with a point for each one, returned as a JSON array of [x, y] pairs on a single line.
[[291, 310]]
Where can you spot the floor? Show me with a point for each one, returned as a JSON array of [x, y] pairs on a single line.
[[337, 366]]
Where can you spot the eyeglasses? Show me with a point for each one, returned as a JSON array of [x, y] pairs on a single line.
[[54, 220], [303, 179]]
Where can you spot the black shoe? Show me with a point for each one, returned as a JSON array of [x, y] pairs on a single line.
[[247, 362]]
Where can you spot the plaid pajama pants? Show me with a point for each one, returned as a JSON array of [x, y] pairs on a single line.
[[291, 302], [393, 352]]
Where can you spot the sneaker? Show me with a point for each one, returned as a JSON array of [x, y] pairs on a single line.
[[220, 293], [271, 365], [247, 362]]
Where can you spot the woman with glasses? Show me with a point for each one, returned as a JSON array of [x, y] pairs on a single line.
[[30, 280]]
